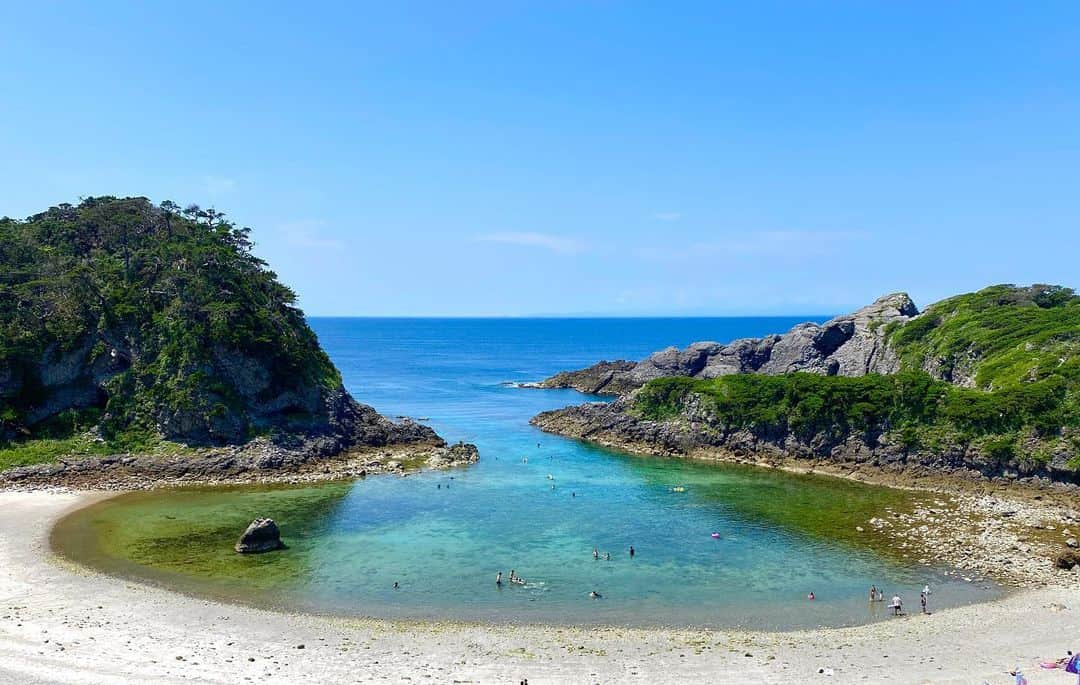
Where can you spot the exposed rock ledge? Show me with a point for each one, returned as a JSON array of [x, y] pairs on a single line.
[[356, 441], [849, 345], [616, 424], [260, 461]]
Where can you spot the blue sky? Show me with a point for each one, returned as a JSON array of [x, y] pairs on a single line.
[[512, 158]]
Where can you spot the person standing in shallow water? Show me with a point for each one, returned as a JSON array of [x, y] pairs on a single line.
[[595, 553], [873, 592], [631, 551], [498, 579], [922, 600]]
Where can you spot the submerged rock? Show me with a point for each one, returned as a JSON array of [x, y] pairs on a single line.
[[261, 536]]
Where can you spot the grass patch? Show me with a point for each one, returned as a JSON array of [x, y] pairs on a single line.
[[84, 445]]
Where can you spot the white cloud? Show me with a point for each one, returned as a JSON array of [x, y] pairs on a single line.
[[307, 233], [667, 216], [219, 185], [775, 244], [545, 241]]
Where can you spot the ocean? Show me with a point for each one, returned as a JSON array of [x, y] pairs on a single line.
[[535, 503]]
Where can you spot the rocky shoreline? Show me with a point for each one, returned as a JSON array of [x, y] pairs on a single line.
[[259, 461], [849, 345], [1007, 530]]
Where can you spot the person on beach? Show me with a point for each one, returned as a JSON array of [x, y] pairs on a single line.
[[873, 592], [498, 579], [1019, 676], [922, 601], [897, 605], [631, 551]]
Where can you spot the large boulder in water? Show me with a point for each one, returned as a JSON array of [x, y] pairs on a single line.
[[261, 536]]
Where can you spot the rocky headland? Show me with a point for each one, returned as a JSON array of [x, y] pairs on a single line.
[[975, 399], [850, 345], [144, 345], [984, 385]]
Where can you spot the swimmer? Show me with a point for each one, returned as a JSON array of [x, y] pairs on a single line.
[[595, 595], [595, 553], [810, 596], [396, 586], [607, 556], [498, 579]]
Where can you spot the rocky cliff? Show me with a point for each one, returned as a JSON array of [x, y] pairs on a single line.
[[131, 325], [985, 383], [850, 345]]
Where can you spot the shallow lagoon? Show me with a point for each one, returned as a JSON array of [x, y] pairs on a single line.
[[443, 536]]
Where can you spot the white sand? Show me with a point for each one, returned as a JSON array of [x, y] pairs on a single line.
[[64, 625]]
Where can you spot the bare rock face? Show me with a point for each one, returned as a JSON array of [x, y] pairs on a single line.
[[850, 345], [604, 378], [261, 536]]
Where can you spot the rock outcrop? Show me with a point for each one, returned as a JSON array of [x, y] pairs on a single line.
[[141, 325], [262, 535], [603, 378], [367, 444], [697, 432], [850, 345]]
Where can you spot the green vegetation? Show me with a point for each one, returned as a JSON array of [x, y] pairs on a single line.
[[1016, 346], [142, 324], [999, 337]]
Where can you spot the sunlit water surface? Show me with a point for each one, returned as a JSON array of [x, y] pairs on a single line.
[[535, 503]]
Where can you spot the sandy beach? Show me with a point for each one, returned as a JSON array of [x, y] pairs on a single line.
[[63, 624]]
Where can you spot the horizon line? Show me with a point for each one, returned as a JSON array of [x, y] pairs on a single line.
[[565, 316]]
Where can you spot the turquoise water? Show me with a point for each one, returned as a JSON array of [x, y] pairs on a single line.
[[535, 503]]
